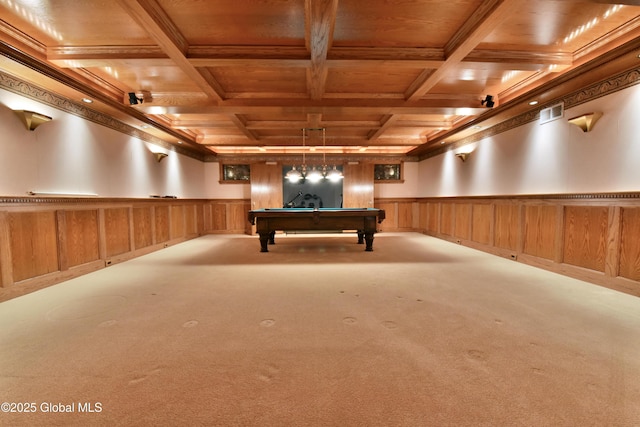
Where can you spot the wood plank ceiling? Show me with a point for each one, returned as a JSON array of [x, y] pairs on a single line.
[[242, 78]]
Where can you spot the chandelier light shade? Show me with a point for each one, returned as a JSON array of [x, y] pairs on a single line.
[[334, 175], [314, 175], [293, 175]]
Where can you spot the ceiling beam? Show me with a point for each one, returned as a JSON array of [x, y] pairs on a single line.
[[320, 20], [151, 17], [489, 15]]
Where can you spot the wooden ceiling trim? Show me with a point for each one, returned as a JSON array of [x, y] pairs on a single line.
[[201, 52], [239, 121], [320, 16], [489, 15], [155, 21], [298, 107], [24, 41], [386, 123], [514, 57], [83, 54]]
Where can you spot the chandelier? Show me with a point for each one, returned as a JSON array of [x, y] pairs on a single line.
[[314, 175]]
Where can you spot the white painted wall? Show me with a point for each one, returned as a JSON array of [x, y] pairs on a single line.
[[215, 190], [556, 157], [73, 155], [408, 188]]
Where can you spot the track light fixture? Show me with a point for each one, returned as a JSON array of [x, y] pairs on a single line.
[[139, 97], [133, 99], [488, 101]]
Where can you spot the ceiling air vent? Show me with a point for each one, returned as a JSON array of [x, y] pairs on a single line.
[[552, 113]]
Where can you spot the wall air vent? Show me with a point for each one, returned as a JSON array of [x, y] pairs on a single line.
[[552, 113]]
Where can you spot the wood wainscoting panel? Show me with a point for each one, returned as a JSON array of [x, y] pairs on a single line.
[[190, 220], [507, 226], [585, 236], [218, 216], [423, 217], [405, 216], [463, 221], [433, 217], [81, 236], [630, 244], [482, 219], [162, 223], [390, 222], [237, 217], [142, 230], [34, 244], [117, 231], [447, 219], [540, 222], [177, 221]]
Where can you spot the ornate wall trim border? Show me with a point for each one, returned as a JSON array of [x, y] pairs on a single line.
[[22, 200], [559, 196], [28, 90]]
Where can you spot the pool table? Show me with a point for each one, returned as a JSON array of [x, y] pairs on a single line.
[[363, 220]]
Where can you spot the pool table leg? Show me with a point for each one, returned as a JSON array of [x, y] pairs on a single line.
[[272, 237], [360, 237], [368, 237], [264, 240]]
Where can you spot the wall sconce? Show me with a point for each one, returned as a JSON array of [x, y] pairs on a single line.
[[463, 156], [159, 156], [585, 121], [32, 119]]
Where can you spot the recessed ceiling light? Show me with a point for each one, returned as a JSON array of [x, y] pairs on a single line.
[[87, 100], [533, 103]]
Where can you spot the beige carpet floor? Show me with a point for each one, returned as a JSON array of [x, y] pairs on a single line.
[[318, 332]]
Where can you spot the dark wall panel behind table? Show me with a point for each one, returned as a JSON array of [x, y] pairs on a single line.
[[81, 236], [585, 236], [116, 222], [142, 230], [630, 244], [33, 241]]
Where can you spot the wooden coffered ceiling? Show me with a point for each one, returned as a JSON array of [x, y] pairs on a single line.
[[382, 77]]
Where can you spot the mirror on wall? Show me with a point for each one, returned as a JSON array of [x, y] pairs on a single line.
[[307, 194]]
